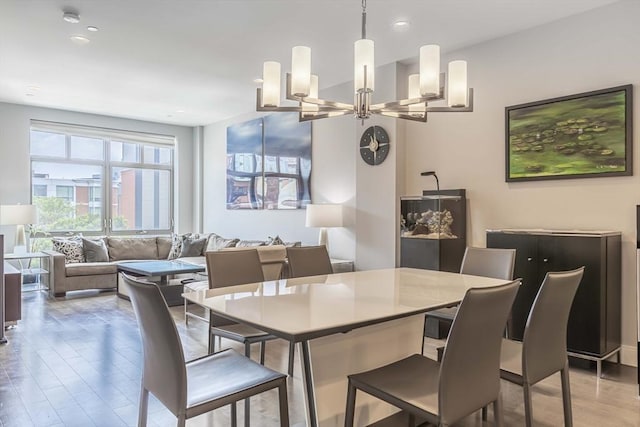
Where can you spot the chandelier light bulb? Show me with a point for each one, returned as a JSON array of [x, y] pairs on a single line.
[[430, 70], [300, 70], [271, 84], [364, 56], [457, 92]]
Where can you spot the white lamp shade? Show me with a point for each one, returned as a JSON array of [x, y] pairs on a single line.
[[328, 215], [18, 214], [430, 69], [457, 92], [364, 56], [271, 84], [300, 70]]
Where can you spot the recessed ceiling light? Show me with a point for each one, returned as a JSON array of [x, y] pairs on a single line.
[[80, 40], [92, 28], [30, 94], [258, 81], [71, 17], [401, 24], [179, 111], [33, 88]]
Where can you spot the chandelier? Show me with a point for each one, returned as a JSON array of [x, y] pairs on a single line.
[[425, 87]]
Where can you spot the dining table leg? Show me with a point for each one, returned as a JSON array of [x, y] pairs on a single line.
[[308, 383]]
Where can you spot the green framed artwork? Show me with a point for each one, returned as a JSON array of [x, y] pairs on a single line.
[[576, 136]]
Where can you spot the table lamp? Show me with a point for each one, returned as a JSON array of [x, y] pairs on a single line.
[[324, 216], [18, 215]]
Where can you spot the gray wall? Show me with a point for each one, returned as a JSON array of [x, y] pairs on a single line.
[[14, 155]]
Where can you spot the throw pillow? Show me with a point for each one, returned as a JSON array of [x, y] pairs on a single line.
[[192, 247], [176, 245], [215, 243], [71, 248], [275, 241], [95, 250]]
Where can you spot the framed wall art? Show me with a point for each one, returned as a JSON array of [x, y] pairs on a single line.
[[269, 163], [576, 136]]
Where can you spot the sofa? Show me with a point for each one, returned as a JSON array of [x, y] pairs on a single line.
[[80, 263]]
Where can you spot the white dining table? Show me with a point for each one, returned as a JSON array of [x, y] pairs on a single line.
[[345, 323]]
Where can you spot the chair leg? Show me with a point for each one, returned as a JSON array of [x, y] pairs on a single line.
[[234, 415], [143, 407], [284, 404], [211, 346], [247, 412], [262, 349], [566, 396], [292, 353], [528, 413], [351, 405], [247, 349], [498, 416], [484, 413], [182, 420], [186, 318]]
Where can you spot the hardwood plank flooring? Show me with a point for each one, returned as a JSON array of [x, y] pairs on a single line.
[[76, 361]]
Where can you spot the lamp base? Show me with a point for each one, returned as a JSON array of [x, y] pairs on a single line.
[[323, 238]]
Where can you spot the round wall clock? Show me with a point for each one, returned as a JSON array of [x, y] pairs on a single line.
[[374, 145]]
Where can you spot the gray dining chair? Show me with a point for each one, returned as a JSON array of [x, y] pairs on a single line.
[[308, 261], [486, 262], [543, 350], [189, 389], [230, 268], [467, 379]]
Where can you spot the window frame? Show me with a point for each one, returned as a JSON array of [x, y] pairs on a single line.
[[106, 165]]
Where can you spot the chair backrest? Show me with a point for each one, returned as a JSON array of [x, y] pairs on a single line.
[[308, 261], [229, 268], [544, 345], [470, 368], [489, 262], [164, 372]]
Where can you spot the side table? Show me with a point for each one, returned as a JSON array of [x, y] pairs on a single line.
[[42, 271], [342, 265]]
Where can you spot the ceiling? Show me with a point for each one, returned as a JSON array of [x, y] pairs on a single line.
[[193, 62]]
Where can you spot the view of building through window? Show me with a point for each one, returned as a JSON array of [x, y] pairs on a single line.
[[97, 182]]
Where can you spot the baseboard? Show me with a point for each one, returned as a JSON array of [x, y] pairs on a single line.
[[629, 355]]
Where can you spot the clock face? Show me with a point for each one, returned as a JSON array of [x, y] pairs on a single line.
[[374, 145]]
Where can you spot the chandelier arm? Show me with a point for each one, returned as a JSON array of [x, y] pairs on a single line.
[[467, 109], [325, 106], [305, 117], [420, 117], [404, 103]]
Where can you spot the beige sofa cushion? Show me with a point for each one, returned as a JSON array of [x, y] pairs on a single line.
[[132, 248], [91, 268], [215, 243], [164, 246]]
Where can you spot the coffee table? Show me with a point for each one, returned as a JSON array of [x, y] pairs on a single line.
[[171, 289]]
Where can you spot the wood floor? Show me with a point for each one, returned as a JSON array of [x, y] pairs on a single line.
[[76, 362]]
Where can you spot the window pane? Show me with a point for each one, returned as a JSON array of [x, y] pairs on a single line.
[[157, 155], [87, 148], [125, 152], [65, 204], [47, 144], [140, 199]]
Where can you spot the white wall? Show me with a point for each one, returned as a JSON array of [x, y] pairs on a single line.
[[15, 182], [596, 50]]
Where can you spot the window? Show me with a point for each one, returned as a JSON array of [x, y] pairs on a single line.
[[100, 181]]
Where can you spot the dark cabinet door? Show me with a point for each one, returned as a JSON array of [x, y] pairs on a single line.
[[526, 268]]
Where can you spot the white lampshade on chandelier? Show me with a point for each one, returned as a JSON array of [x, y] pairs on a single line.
[[425, 87]]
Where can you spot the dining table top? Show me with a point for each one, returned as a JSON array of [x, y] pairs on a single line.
[[304, 308]]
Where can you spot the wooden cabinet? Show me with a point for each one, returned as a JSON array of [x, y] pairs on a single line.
[[433, 233], [594, 322], [12, 293]]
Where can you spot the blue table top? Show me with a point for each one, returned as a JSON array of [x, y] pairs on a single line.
[[159, 267]]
